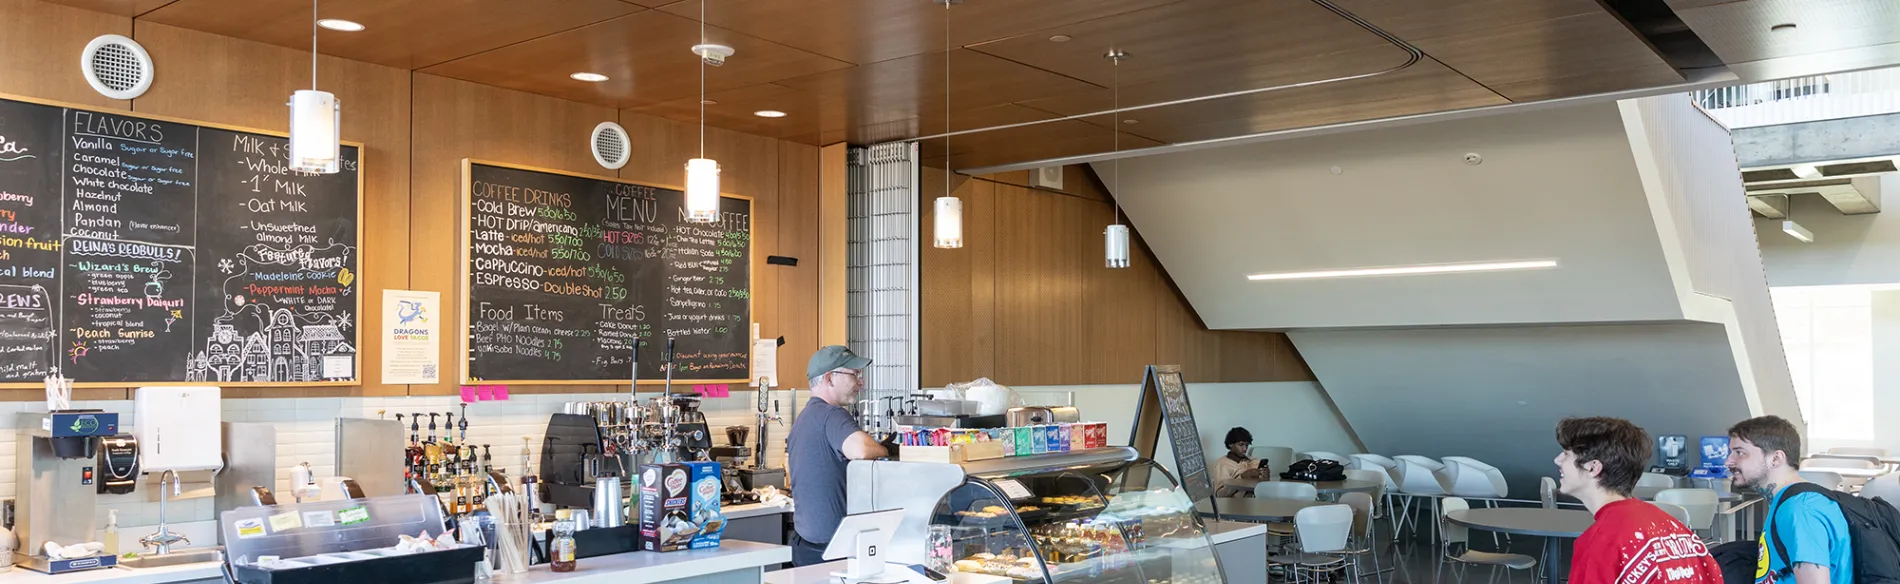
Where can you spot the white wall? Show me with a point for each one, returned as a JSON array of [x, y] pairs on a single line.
[[1294, 414], [1886, 374], [1558, 183], [1847, 249]]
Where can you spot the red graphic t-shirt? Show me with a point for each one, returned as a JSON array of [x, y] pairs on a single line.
[[1634, 542]]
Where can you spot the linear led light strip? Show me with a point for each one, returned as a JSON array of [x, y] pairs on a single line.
[[1408, 270]]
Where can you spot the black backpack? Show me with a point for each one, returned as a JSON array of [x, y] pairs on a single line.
[[1315, 470], [1873, 527]]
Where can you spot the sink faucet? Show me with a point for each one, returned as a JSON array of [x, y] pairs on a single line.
[[164, 538]]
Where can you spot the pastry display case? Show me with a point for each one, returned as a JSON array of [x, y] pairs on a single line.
[[1097, 515]]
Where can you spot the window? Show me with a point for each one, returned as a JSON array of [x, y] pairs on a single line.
[[1827, 332]]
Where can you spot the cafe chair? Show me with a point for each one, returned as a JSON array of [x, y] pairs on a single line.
[[1857, 450], [1290, 490], [1830, 480], [1362, 538], [1833, 462], [1385, 466], [1471, 479], [1656, 480], [1323, 455], [1418, 477], [1370, 476], [1454, 546], [1886, 488], [1324, 531], [1278, 457], [1674, 510], [1547, 492], [1698, 506]]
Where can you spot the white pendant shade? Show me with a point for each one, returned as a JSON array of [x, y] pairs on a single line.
[[1116, 237], [949, 223], [316, 122], [702, 190]]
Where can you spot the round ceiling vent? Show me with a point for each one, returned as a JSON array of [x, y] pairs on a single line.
[[609, 144], [117, 67]]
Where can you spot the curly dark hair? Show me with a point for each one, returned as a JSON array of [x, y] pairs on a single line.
[[1622, 448], [1238, 435]]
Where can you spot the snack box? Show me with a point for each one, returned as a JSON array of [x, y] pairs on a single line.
[[1097, 434], [703, 504], [1025, 440], [665, 496]]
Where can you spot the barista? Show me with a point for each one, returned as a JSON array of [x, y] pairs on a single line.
[[823, 439]]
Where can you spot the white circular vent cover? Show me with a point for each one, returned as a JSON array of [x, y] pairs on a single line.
[[117, 67], [609, 144]]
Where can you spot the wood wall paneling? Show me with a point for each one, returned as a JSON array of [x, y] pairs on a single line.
[[40, 45], [795, 316]]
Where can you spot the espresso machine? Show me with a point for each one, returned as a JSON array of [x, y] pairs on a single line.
[[58, 478]]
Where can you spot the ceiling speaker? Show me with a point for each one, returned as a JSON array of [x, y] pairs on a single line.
[[610, 146], [117, 67]]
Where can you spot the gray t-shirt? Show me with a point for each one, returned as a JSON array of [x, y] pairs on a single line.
[[815, 457]]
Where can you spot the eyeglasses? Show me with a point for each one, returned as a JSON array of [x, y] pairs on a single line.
[[853, 374]]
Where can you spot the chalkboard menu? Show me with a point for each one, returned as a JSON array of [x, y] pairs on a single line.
[[145, 250], [1184, 438], [564, 273]]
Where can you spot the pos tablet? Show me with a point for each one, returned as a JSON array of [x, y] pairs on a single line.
[[861, 537]]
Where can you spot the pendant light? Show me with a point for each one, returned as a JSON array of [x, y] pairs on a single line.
[[949, 210], [702, 174], [1116, 236], [316, 120]]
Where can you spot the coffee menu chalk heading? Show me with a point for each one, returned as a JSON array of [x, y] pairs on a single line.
[[563, 273], [140, 250]]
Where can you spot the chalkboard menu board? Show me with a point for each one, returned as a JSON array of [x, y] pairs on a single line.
[[146, 250], [1165, 387], [563, 273]]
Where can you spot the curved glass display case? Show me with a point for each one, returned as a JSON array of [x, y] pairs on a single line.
[[1051, 518]]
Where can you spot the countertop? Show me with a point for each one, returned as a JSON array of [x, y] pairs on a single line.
[[821, 574], [178, 573], [1220, 531], [648, 567], [751, 510]]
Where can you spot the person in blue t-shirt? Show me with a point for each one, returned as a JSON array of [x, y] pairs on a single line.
[[1762, 455]]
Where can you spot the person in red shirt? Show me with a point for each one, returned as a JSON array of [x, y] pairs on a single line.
[[1632, 542]]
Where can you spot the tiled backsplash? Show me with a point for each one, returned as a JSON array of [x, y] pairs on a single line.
[[306, 432]]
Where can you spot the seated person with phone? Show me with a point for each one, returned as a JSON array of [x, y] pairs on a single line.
[[1238, 463]]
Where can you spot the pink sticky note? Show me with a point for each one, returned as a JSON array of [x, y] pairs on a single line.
[[500, 391], [468, 394], [715, 390]]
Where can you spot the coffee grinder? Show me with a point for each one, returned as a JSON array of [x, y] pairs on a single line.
[[57, 479]]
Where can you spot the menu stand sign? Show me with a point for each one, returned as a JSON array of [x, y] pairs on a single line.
[[1164, 400]]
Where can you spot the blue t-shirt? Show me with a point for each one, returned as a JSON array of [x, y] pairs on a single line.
[[1815, 532], [815, 458]]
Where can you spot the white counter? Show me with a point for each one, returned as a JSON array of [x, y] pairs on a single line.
[[1219, 532], [649, 567], [751, 510], [821, 574], [163, 575]]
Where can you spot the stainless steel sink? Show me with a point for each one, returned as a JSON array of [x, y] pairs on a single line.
[[190, 556]]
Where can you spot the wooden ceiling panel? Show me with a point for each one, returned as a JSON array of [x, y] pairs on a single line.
[[118, 7], [1352, 62], [913, 87], [1070, 138], [868, 31], [806, 117], [1525, 49], [406, 34], [646, 57], [1740, 32], [1222, 44]]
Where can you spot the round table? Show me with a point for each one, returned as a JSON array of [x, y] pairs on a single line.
[[1257, 510], [1649, 494], [1553, 525], [1324, 487]]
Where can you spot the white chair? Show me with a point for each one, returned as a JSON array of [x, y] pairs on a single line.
[[1471, 479], [1277, 457], [1547, 492], [1322, 455], [1831, 480], [1386, 466], [1370, 476], [1857, 450], [1824, 462], [1418, 477], [1456, 548], [1324, 531], [1296, 491], [1886, 487], [1362, 542], [1699, 506], [1674, 510], [1656, 480]]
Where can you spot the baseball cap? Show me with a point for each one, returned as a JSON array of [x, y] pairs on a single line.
[[834, 357]]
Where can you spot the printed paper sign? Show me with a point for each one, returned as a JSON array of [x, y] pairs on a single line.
[[319, 518], [284, 522], [412, 337], [354, 515], [249, 528]]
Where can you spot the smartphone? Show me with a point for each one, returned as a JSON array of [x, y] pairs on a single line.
[[1262, 465], [933, 575]]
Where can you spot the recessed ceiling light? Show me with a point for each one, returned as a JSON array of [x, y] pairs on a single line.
[[708, 102], [1061, 38], [1131, 121], [588, 77], [339, 24], [1407, 270], [1786, 26], [769, 114]]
